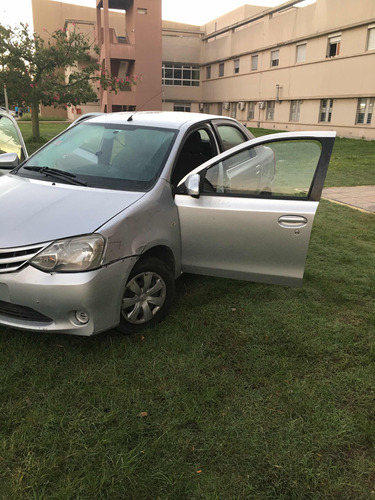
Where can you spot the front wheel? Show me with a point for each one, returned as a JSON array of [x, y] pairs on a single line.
[[148, 296]]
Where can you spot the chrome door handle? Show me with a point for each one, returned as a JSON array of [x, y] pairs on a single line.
[[292, 221]]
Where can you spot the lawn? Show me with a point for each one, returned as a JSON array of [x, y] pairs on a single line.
[[245, 391]]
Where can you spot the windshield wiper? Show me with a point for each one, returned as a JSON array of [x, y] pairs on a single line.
[[55, 172]]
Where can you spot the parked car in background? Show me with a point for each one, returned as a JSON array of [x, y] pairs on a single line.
[[96, 226]]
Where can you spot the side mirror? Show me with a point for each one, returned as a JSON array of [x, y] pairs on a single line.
[[9, 160], [192, 185]]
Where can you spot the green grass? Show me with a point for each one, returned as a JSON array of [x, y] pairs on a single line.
[[268, 391], [245, 391]]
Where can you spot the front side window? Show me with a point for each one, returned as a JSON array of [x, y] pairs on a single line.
[[236, 66], [254, 62], [181, 75], [371, 38], [273, 169], [301, 53], [334, 43], [114, 156], [365, 109], [270, 110], [230, 136], [221, 69], [275, 55], [325, 111], [295, 107]]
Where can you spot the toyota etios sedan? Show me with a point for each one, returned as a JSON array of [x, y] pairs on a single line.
[[96, 226]]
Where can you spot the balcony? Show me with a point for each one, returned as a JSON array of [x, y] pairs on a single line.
[[119, 46]]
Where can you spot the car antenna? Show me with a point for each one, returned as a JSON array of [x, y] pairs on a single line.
[[130, 119]]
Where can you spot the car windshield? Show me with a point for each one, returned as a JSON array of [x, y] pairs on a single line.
[[114, 156]]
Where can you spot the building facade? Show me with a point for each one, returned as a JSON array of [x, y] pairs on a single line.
[[291, 67]]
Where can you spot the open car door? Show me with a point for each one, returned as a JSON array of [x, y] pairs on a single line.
[[248, 212]]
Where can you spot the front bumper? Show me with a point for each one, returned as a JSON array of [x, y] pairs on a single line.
[[34, 300]]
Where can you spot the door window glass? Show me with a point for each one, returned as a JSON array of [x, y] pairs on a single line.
[[230, 136], [9, 140], [279, 169]]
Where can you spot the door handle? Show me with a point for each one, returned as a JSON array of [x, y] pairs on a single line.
[[292, 221]]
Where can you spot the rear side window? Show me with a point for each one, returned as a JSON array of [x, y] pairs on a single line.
[[230, 136]]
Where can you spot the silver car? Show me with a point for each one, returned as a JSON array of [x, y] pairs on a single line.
[[96, 226]]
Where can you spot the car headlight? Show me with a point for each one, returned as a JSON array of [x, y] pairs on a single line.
[[73, 254]]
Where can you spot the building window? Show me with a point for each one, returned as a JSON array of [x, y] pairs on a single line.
[[251, 111], [254, 62], [178, 74], [208, 72], [295, 107], [365, 109], [233, 109], [371, 38], [182, 106], [270, 110], [274, 58], [334, 42], [236, 67], [325, 111], [221, 69], [301, 53]]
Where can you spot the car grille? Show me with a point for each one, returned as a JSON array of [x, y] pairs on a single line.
[[11, 259], [15, 311]]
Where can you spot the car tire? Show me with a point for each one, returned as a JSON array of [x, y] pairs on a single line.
[[147, 297]]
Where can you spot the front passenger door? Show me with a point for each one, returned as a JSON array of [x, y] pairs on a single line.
[[236, 227]]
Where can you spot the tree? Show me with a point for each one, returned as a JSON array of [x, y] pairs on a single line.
[[57, 72]]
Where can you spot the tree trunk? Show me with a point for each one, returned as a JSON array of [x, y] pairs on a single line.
[[35, 120]]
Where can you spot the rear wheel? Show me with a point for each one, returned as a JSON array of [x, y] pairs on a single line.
[[148, 295]]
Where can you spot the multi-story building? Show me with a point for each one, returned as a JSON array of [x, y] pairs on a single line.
[[290, 67]]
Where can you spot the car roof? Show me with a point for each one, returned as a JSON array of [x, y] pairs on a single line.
[[162, 119]]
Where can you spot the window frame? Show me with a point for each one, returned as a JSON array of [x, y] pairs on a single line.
[[334, 40], [251, 110], [275, 62], [326, 108], [295, 110], [298, 47], [177, 74], [270, 111], [254, 57], [236, 66], [221, 69], [369, 104], [186, 107], [370, 37]]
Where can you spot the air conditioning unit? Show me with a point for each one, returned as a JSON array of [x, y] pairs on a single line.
[[226, 105], [261, 105], [241, 105], [201, 106]]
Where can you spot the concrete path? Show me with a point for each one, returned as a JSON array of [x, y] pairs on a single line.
[[359, 197]]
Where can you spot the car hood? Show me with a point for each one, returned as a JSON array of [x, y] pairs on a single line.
[[34, 211]]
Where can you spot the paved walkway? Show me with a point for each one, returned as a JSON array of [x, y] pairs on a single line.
[[359, 197]]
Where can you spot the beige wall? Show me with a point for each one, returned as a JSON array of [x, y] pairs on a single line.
[[344, 78]]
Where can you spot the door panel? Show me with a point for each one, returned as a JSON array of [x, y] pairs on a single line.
[[243, 228]]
